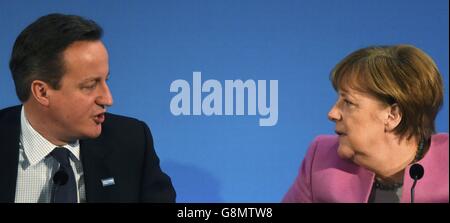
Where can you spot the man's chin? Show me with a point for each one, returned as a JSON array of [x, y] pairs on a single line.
[[93, 133]]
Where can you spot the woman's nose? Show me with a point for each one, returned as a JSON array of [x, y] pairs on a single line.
[[334, 114]]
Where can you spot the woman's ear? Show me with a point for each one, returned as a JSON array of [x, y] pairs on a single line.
[[394, 117], [39, 91]]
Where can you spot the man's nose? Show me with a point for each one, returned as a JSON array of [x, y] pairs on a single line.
[[105, 98]]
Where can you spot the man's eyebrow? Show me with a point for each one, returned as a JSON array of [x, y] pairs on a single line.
[[95, 78], [90, 79]]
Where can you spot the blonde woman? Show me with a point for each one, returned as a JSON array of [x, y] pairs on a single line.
[[388, 99]]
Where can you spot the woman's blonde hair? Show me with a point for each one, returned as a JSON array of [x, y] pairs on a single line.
[[399, 74]]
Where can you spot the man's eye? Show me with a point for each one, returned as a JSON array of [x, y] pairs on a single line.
[[90, 86]]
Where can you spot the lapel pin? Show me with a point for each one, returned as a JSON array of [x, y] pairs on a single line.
[[108, 182]]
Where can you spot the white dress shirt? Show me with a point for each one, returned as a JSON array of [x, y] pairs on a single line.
[[37, 167]]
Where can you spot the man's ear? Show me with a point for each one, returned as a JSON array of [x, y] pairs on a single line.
[[39, 91], [394, 117]]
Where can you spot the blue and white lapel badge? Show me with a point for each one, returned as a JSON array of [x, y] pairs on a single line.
[[108, 182]]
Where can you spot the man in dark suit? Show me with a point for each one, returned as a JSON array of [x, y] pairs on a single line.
[[61, 145]]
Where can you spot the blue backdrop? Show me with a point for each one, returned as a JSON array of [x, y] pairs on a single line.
[[232, 158]]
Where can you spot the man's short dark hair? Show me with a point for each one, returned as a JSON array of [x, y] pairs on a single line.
[[38, 50]]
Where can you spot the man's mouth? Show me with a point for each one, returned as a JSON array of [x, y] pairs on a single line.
[[99, 119]]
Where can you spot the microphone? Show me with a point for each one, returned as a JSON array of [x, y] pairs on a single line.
[[416, 173], [59, 179]]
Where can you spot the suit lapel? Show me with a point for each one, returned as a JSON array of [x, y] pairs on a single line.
[[9, 153], [96, 167]]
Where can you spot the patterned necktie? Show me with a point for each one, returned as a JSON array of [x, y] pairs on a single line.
[[64, 185]]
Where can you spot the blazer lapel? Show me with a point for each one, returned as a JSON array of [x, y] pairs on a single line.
[[9, 153]]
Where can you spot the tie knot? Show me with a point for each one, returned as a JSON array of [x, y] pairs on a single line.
[[61, 154]]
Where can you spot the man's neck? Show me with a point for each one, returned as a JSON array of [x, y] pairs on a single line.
[[42, 125]]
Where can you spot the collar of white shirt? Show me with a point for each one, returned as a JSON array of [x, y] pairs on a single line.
[[36, 147]]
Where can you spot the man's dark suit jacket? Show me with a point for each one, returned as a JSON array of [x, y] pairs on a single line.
[[123, 151]]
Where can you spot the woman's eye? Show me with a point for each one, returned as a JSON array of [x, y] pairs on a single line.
[[347, 102]]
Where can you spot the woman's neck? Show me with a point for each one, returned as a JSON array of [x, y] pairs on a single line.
[[402, 153]]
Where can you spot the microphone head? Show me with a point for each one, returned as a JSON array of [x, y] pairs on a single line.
[[60, 178], [416, 171]]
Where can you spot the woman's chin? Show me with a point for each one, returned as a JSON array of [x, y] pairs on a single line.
[[345, 153]]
